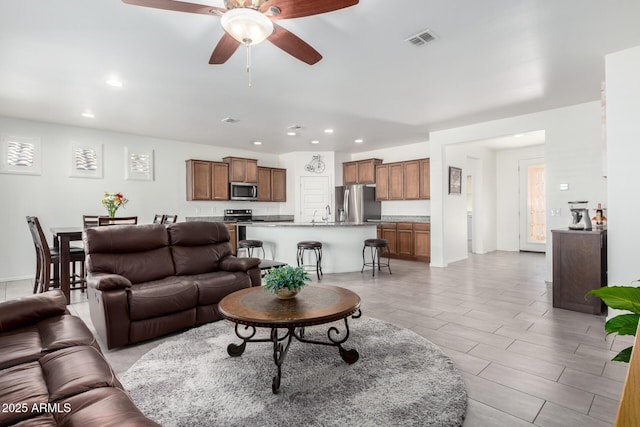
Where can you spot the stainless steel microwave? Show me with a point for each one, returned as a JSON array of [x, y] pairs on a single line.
[[243, 191]]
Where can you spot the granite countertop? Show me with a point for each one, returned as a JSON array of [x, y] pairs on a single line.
[[308, 224], [399, 218]]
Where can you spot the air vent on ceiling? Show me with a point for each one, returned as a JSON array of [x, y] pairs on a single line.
[[421, 38], [230, 120]]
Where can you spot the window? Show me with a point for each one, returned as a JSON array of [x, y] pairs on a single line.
[[21, 155]]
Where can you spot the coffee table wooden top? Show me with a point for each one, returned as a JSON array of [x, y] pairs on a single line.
[[314, 305]]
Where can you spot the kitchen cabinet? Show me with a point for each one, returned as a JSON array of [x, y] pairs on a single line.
[[264, 184], [407, 240], [388, 232], [360, 172], [411, 180], [425, 179], [579, 265], [408, 180], [422, 241], [396, 181], [242, 170], [278, 185], [272, 184], [207, 180], [382, 182]]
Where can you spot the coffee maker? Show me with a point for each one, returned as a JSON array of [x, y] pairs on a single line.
[[580, 219]]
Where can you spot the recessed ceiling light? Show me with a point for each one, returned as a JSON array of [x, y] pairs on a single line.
[[257, 142], [230, 120], [518, 135], [359, 141], [315, 142], [114, 82], [88, 114], [291, 133], [328, 131]]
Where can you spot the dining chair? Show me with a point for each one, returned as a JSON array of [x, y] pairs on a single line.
[[47, 256], [159, 219], [121, 220], [90, 221], [170, 219]]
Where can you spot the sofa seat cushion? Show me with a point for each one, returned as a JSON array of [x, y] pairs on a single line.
[[30, 342], [212, 287], [161, 297], [75, 370], [23, 385], [45, 420], [102, 407]]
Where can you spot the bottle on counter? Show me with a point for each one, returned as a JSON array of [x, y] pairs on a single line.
[[599, 220]]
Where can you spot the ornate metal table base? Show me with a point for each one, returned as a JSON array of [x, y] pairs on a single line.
[[280, 348]]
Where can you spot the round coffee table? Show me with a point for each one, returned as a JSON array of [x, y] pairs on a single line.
[[314, 305]]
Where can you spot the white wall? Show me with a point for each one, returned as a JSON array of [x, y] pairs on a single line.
[[507, 196], [59, 200], [623, 152], [396, 154], [573, 155]]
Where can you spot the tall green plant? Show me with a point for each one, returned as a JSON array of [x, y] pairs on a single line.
[[621, 298]]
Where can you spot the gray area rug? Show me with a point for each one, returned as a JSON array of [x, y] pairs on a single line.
[[401, 379]]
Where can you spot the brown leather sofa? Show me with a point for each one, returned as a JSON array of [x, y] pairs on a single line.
[[52, 372], [145, 281]]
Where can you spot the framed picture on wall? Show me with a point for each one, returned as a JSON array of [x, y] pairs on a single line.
[[455, 180]]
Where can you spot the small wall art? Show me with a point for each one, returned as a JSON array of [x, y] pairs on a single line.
[[86, 160], [21, 155], [138, 164], [455, 180]]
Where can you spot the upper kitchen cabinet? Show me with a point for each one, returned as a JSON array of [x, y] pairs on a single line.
[[264, 184], [242, 170], [360, 172], [207, 180], [278, 185], [272, 185], [408, 180], [425, 179]]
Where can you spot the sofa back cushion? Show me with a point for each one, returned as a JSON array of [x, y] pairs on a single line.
[[138, 252], [197, 247]]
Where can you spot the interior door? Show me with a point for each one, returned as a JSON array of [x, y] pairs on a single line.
[[533, 229], [314, 197]]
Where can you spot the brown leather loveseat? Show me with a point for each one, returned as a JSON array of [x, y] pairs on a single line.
[[145, 281], [52, 372]]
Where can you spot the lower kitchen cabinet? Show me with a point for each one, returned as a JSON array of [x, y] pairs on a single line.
[[407, 240]]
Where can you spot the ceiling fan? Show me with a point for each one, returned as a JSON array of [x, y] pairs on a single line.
[[249, 22]]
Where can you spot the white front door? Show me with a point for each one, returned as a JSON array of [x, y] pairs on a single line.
[[314, 197], [533, 230]]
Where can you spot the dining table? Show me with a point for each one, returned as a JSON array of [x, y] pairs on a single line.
[[61, 238]]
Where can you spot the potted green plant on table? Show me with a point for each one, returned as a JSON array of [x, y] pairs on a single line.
[[285, 282], [621, 298]]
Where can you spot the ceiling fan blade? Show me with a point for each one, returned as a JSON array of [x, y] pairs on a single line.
[[223, 51], [178, 6], [294, 45], [299, 8]]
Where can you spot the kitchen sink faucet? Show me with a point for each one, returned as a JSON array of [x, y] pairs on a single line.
[[327, 214]]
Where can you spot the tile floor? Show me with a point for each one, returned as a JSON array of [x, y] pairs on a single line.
[[523, 361]]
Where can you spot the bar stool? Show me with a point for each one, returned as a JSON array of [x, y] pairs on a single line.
[[375, 245], [250, 245], [314, 246]]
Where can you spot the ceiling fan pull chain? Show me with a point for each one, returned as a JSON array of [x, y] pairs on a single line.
[[249, 62]]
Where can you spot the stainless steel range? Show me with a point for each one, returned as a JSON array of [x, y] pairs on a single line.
[[239, 216]]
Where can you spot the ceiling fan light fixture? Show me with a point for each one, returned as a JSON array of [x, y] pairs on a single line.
[[248, 26]]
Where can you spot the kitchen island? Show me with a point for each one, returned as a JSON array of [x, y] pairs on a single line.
[[342, 242]]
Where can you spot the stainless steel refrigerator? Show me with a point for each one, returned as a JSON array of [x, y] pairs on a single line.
[[356, 203]]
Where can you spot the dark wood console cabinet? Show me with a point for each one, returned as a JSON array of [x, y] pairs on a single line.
[[579, 265]]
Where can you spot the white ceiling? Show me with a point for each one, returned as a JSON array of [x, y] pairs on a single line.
[[492, 59]]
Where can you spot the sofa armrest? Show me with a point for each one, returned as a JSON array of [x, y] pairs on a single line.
[[107, 281], [22, 311], [232, 263]]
